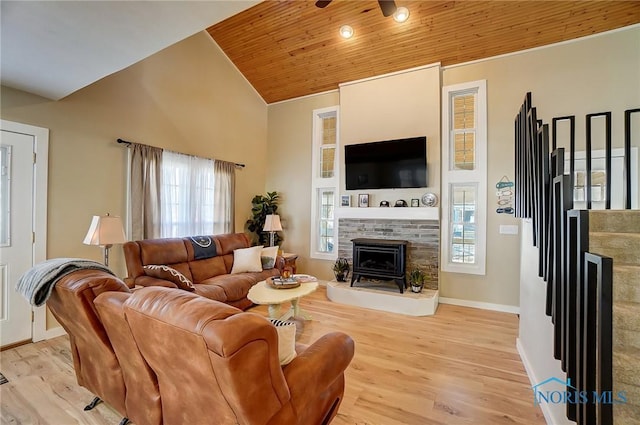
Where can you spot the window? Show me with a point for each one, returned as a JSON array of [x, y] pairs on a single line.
[[324, 183], [464, 179], [463, 227], [463, 131], [187, 195]]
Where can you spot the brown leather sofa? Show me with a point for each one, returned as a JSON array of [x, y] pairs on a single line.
[[106, 361], [162, 356], [217, 364], [210, 274]]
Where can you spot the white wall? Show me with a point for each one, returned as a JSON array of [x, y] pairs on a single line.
[[393, 107]]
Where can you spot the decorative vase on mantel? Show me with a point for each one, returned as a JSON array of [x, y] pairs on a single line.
[[416, 280], [341, 269]]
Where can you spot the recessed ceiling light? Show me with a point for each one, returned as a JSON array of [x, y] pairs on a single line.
[[346, 31], [401, 14]]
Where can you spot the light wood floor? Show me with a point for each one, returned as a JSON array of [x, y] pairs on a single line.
[[457, 367]]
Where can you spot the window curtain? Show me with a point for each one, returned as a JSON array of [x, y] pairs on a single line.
[[187, 195], [145, 168], [225, 186]]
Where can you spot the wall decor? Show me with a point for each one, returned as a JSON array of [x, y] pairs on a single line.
[[363, 200], [505, 196], [345, 201], [415, 202]]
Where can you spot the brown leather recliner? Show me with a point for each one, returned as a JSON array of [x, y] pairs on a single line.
[[217, 364], [125, 385]]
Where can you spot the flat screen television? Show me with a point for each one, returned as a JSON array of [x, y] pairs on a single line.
[[389, 164]]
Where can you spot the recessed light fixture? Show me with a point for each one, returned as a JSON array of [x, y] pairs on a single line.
[[401, 14], [346, 31]]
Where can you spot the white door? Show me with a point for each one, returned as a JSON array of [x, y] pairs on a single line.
[[16, 233]]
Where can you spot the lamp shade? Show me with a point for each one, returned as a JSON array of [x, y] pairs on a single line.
[[272, 223], [105, 230]]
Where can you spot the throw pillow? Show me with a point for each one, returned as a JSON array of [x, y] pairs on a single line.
[[268, 257], [170, 274], [247, 260], [286, 340]]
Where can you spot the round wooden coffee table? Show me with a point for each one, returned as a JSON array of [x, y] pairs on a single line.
[[262, 294]]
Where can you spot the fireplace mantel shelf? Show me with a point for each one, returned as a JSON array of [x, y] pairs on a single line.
[[389, 213]]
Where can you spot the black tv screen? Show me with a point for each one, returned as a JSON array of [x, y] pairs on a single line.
[[391, 164]]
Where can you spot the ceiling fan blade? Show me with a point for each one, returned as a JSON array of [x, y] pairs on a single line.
[[322, 3], [388, 7]]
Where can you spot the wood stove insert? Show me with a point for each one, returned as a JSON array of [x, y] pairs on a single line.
[[380, 259]]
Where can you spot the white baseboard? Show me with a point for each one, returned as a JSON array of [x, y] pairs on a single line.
[[534, 380], [54, 332], [484, 306]]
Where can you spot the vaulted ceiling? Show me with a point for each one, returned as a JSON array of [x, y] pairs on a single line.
[[288, 49]]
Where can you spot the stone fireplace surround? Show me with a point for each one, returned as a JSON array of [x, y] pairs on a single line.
[[419, 226]]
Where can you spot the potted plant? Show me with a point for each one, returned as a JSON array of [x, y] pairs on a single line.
[[341, 269], [261, 207], [416, 279]]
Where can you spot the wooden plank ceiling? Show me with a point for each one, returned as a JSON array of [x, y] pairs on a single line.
[[288, 49]]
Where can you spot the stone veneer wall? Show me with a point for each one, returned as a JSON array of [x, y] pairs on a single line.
[[423, 236]]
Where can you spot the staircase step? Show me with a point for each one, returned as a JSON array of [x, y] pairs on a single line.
[[632, 393], [614, 221], [626, 283], [626, 315], [623, 338], [626, 414], [623, 247], [626, 366]]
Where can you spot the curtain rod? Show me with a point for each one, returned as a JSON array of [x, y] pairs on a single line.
[[125, 142]]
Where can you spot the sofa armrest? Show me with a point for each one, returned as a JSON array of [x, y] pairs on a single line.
[[319, 365]]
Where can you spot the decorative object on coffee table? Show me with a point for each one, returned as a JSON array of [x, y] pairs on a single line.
[[341, 269], [416, 278], [282, 282]]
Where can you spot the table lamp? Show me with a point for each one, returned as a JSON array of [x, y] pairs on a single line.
[[272, 225], [105, 230]]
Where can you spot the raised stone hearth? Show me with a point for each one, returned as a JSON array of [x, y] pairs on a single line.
[[384, 297]]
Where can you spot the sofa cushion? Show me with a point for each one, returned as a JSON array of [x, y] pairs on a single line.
[[204, 269], [268, 257], [235, 286], [213, 292], [286, 340], [247, 260], [162, 251], [231, 241], [168, 273]]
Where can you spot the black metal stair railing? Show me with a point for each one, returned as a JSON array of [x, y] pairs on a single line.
[[578, 282]]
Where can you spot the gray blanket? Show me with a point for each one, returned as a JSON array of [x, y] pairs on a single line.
[[38, 282]]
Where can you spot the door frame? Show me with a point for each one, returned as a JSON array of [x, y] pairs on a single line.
[[39, 220]]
